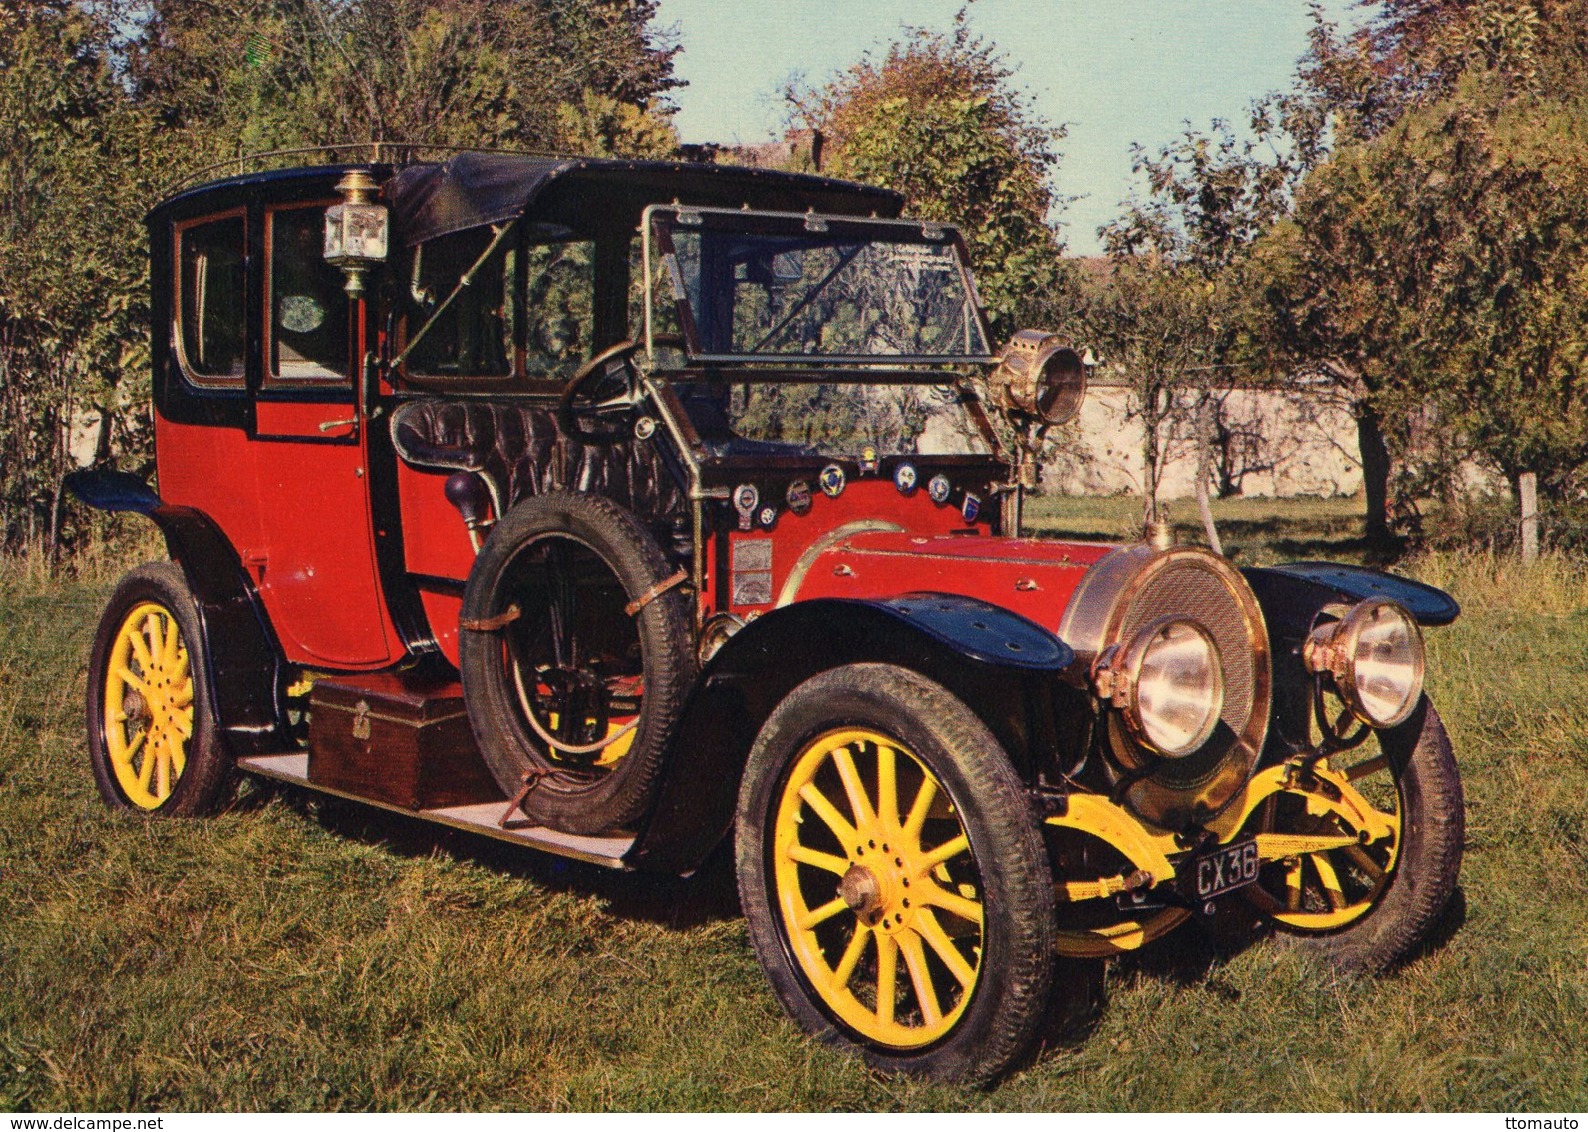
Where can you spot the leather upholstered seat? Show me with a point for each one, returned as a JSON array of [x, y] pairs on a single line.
[[519, 451]]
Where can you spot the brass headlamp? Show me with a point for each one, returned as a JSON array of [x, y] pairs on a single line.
[[1168, 683], [1374, 656]]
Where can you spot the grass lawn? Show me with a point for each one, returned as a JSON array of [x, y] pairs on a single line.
[[1254, 531], [295, 953]]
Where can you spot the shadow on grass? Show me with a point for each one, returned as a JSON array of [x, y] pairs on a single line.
[[1193, 953], [709, 895], [1075, 1007], [1377, 553], [1449, 923], [1190, 956]]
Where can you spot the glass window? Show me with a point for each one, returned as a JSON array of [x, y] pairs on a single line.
[[559, 302], [664, 312], [210, 307], [473, 337], [308, 305], [831, 419], [759, 284], [537, 298]]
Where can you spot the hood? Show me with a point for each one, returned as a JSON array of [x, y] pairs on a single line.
[[1032, 577]]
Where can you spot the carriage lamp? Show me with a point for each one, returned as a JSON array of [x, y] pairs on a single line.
[[356, 230], [1374, 655], [1039, 378], [1168, 683]]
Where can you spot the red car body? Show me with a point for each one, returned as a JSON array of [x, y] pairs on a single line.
[[360, 508]]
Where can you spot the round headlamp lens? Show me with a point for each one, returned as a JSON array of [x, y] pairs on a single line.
[[1382, 678], [1179, 687]]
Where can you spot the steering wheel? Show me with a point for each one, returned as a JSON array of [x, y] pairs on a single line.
[[568, 417]]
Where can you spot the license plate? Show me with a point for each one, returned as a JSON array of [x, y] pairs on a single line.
[[1211, 874]]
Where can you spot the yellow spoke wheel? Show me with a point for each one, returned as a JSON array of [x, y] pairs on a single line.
[[149, 705], [893, 875], [152, 744], [1393, 815], [877, 888], [1333, 888]]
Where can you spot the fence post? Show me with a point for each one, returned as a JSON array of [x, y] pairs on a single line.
[[1527, 488]]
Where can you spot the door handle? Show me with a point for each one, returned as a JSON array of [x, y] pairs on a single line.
[[327, 426]]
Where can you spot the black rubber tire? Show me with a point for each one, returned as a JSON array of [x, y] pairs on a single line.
[[1433, 825], [205, 782], [1012, 990], [575, 803]]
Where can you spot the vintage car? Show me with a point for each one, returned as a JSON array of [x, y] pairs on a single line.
[[617, 509]]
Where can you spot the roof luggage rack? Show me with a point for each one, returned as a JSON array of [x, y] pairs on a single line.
[[379, 153]]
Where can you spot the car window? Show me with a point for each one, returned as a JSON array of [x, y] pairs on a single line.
[[664, 314], [750, 284], [210, 311], [559, 303], [308, 305], [473, 336]]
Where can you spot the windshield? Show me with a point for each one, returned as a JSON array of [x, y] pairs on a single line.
[[772, 286], [831, 420]]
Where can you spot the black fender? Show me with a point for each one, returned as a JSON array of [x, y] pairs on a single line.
[[1291, 596], [1003, 666], [245, 665], [1429, 605]]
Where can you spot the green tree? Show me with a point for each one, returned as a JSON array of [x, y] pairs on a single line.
[[548, 74], [1166, 315], [1154, 325], [76, 163], [1378, 279], [939, 119], [1446, 262], [1433, 248]]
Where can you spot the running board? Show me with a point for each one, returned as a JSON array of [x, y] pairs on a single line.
[[481, 818]]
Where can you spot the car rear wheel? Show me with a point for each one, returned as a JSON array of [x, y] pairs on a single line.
[[152, 739], [893, 877], [1393, 811]]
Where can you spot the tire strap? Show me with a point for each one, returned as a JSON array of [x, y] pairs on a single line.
[[531, 781], [634, 607], [491, 624]]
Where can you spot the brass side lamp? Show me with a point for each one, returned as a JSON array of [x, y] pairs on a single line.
[[356, 230]]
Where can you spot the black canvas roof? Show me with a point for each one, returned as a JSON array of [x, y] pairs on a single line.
[[473, 189]]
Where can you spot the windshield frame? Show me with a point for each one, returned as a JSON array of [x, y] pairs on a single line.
[[656, 244], [660, 389]]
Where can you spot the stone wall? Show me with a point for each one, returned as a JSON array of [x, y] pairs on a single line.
[[1291, 444]]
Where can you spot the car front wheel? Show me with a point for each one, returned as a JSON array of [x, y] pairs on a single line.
[[152, 739], [892, 876], [1381, 848]]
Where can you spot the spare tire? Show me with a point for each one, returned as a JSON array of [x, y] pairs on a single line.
[[576, 656]]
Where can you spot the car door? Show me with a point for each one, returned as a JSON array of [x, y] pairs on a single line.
[[316, 565]]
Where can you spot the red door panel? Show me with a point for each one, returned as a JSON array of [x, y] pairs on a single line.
[[294, 420], [320, 582]]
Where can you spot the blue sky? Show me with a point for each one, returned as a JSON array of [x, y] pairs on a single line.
[[1113, 71]]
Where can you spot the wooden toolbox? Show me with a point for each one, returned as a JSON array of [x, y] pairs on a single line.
[[399, 739]]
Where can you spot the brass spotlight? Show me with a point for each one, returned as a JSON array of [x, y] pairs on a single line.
[[1039, 378]]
